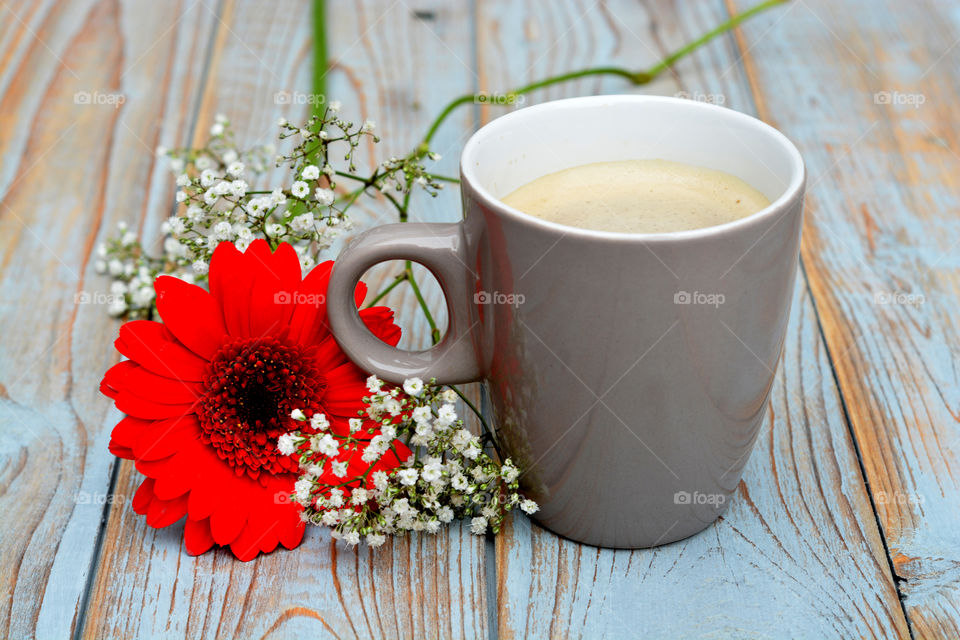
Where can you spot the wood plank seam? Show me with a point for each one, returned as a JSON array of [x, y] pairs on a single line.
[[93, 573], [761, 111]]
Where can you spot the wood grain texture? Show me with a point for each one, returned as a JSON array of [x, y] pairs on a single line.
[[70, 168], [869, 94], [419, 586], [798, 554]]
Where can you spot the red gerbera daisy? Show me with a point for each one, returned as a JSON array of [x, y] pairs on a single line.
[[208, 392]]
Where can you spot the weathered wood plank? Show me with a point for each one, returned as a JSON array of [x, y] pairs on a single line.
[[420, 586], [70, 169], [869, 91], [798, 554]]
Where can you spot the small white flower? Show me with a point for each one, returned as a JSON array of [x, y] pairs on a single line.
[[161, 150], [509, 472], [221, 118], [239, 188], [392, 406], [352, 538], [274, 230], [478, 525], [202, 162], [355, 424], [449, 396], [460, 482], [375, 539], [200, 267], [277, 197], [334, 106], [388, 431], [319, 422], [313, 470], [235, 168], [281, 122], [380, 480], [176, 165], [216, 129], [374, 384], [302, 223], [302, 489], [183, 180], [223, 230], [300, 189], [360, 496], [368, 125], [175, 225], [286, 444], [339, 468], [422, 414], [445, 514], [230, 155], [408, 477], [298, 415], [413, 386], [336, 498], [310, 172], [325, 197], [447, 414], [207, 178], [305, 133], [330, 518], [117, 307], [529, 507], [327, 445]]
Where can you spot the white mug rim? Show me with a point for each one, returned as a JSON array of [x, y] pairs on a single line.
[[501, 125]]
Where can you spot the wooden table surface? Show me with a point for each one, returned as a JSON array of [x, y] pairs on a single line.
[[847, 522]]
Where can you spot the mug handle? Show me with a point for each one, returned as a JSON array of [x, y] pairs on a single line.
[[437, 246]]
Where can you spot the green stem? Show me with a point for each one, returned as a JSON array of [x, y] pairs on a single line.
[[390, 287], [434, 332], [483, 423], [635, 77], [320, 57]]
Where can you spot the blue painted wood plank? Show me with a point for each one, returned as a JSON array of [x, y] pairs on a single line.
[[70, 168], [868, 90]]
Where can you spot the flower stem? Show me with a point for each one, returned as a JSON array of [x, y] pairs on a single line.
[[635, 77], [320, 57], [390, 287], [434, 332]]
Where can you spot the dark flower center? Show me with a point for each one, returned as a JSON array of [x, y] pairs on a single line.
[[252, 386]]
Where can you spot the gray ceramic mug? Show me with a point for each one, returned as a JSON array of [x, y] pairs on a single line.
[[629, 373]]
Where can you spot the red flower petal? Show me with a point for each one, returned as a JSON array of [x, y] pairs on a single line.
[[129, 375], [380, 322], [143, 497], [227, 522], [151, 345], [230, 283], [197, 537], [127, 431], [191, 314], [163, 513], [133, 405], [164, 438], [274, 287], [308, 322]]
